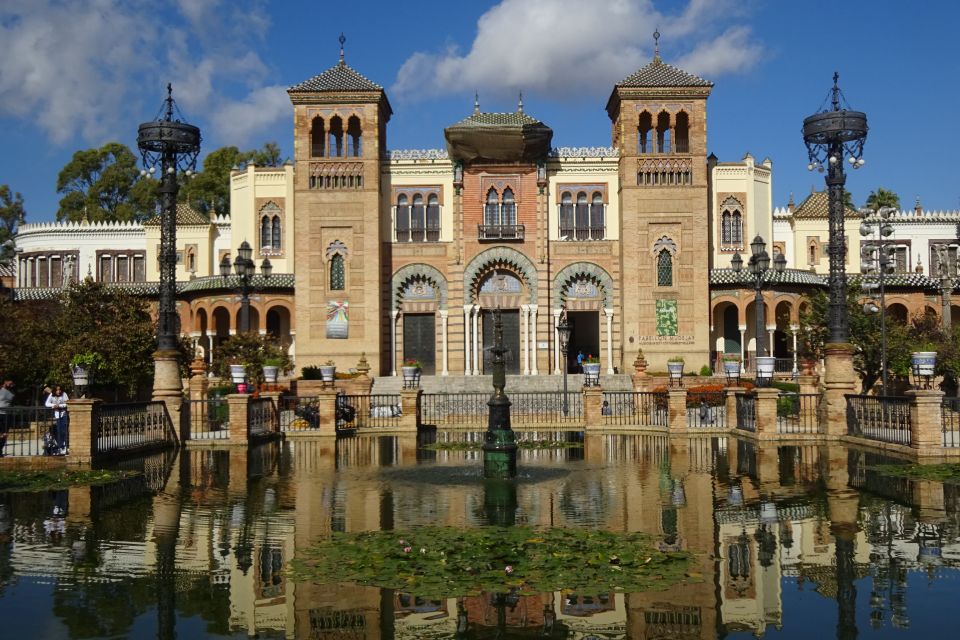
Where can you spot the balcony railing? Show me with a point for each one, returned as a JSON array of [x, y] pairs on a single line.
[[582, 233], [419, 234], [500, 231]]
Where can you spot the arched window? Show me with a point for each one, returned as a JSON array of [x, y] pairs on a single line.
[[643, 133], [664, 269], [318, 138], [812, 254], [509, 209], [663, 133], [265, 233], [491, 212], [417, 219], [725, 231], [736, 231], [275, 240], [433, 218], [596, 217], [582, 217], [355, 135], [403, 219], [337, 276], [566, 216], [336, 136], [682, 133]]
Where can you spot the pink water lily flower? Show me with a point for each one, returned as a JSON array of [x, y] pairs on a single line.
[[407, 549], [508, 568]]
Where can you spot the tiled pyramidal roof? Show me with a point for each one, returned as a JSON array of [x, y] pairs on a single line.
[[660, 74], [482, 119], [817, 205], [186, 216], [340, 77]]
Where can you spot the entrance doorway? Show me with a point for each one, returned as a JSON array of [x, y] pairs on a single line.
[[585, 337], [511, 340], [420, 340]]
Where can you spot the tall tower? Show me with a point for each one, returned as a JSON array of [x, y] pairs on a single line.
[[340, 124], [659, 117]]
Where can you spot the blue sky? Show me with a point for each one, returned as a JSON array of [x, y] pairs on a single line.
[[77, 73]]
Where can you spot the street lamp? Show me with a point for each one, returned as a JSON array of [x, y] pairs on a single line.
[[564, 329], [876, 257], [947, 282], [245, 269], [174, 146], [758, 265], [831, 136]]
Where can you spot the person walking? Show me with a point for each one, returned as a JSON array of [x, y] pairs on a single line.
[[57, 400], [6, 419]]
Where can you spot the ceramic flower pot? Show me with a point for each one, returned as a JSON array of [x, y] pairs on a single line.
[[270, 373], [238, 373]]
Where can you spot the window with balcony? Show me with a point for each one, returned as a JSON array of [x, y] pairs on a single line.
[[500, 217], [583, 220], [419, 221]]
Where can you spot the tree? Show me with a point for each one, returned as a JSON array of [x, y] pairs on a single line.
[[882, 198], [104, 185], [12, 216], [249, 349], [269, 155]]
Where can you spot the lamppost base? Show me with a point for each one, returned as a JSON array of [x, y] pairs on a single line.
[[500, 454], [167, 385], [839, 379]]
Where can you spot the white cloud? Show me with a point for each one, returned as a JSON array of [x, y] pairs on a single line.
[[94, 69], [570, 47], [239, 121]]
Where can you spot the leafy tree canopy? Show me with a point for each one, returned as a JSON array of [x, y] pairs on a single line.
[[12, 215], [882, 198], [104, 185]]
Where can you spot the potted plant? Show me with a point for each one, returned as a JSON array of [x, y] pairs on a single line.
[[271, 369], [83, 366], [765, 367], [591, 370], [731, 364], [238, 371], [923, 361], [411, 371], [328, 371], [675, 368]]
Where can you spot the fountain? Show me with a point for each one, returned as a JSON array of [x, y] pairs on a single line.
[[500, 445]]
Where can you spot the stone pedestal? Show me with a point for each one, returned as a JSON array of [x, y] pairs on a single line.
[[839, 380], [809, 383], [677, 404], [409, 409], [327, 408], [197, 390], [592, 407], [238, 409], [926, 426], [766, 421], [929, 501], [82, 429]]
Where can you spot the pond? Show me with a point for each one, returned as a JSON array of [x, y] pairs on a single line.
[[792, 541]]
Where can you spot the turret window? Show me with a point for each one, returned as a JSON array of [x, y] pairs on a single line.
[[419, 221], [318, 137], [270, 229], [355, 136], [337, 273], [664, 269]]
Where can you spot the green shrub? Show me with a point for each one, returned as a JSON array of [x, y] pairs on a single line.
[[706, 371], [791, 387], [311, 372]]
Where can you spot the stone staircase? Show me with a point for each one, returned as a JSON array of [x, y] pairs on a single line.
[[515, 383]]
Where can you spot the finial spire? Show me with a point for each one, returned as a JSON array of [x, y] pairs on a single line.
[[520, 103], [656, 45], [169, 102], [342, 39], [476, 102], [836, 92]]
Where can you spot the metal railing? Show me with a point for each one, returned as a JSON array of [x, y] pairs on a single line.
[[27, 431], [950, 421], [207, 419], [361, 411], [798, 413], [463, 409], [131, 425], [747, 412], [706, 409], [582, 233], [299, 414], [262, 417], [500, 231], [635, 408], [883, 418], [529, 407]]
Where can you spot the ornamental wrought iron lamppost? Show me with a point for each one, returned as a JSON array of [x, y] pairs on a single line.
[[564, 329], [758, 266], [875, 258], [245, 269], [499, 445], [831, 137], [171, 145]]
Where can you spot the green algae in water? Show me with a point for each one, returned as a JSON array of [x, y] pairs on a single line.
[[50, 479], [521, 444], [947, 472], [448, 562]]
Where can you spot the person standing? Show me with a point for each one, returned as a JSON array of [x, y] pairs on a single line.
[[6, 419], [57, 400], [580, 361]]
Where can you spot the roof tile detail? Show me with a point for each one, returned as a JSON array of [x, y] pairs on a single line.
[[660, 74], [340, 77], [817, 205], [186, 216]]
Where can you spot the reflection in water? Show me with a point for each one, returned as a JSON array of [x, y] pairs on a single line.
[[197, 546]]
